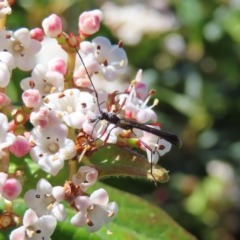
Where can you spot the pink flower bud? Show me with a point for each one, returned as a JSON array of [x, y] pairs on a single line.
[[20, 147], [52, 26], [12, 189], [31, 98], [89, 22], [4, 100], [57, 65], [37, 34]]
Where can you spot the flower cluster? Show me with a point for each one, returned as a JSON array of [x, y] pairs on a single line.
[[59, 98]]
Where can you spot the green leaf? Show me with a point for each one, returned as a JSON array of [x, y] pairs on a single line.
[[137, 219], [116, 161]]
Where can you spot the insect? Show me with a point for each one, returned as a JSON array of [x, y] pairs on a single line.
[[128, 124]]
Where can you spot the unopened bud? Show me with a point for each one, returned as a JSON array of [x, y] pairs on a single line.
[[31, 98], [89, 22], [52, 26], [12, 189], [58, 65], [20, 147], [37, 34]]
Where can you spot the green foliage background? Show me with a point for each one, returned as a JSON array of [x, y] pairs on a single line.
[[199, 95]]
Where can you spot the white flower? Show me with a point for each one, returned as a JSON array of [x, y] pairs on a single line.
[[4, 8], [6, 138], [45, 200], [94, 211], [45, 81], [34, 228], [111, 58], [50, 147], [85, 177], [72, 105], [44, 117], [136, 108], [158, 146], [23, 48]]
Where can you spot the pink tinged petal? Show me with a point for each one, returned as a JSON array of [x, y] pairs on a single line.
[[47, 224], [82, 203], [4, 100], [59, 212], [44, 186], [20, 147], [58, 193], [18, 234], [52, 26], [57, 65], [100, 197], [31, 98], [23, 36], [79, 219], [30, 218], [12, 189]]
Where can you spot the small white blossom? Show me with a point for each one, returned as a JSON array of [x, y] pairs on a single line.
[[94, 211], [85, 177], [45, 200], [158, 146], [71, 105], [23, 48], [44, 117], [111, 58], [50, 147], [6, 138], [34, 228], [136, 108], [45, 81]]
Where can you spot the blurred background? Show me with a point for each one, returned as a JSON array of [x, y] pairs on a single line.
[[189, 52]]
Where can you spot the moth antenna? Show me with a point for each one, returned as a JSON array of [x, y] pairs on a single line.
[[94, 89]]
